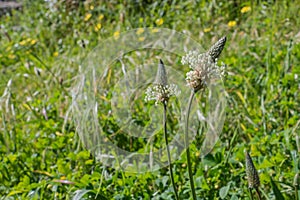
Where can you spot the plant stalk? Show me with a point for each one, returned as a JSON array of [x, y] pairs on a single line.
[[251, 195], [188, 157], [258, 193], [168, 150]]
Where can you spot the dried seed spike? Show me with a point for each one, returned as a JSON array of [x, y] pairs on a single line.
[[217, 48], [161, 76], [253, 178]]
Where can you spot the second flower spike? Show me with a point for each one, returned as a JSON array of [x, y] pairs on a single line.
[[217, 48], [252, 175], [161, 91]]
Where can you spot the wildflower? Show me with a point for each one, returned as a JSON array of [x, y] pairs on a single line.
[[154, 30], [33, 41], [117, 35], [23, 42], [217, 48], [161, 91], [159, 22], [141, 39], [87, 17], [204, 67], [253, 178], [161, 76], [140, 31], [207, 30], [11, 56], [97, 27], [231, 23], [8, 48], [55, 54], [245, 9], [101, 17]]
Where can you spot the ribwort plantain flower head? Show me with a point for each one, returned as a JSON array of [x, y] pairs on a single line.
[[204, 66], [161, 91], [252, 175], [204, 69], [217, 48], [161, 75]]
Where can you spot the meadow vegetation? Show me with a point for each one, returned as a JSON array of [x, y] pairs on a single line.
[[42, 46]]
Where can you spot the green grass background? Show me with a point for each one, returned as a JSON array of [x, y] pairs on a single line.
[[41, 49]]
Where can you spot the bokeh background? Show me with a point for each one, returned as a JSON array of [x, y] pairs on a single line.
[[42, 44]]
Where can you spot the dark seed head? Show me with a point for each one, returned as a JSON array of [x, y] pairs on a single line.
[[217, 48], [252, 175]]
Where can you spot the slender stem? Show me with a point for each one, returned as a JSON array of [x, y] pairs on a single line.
[[188, 157], [251, 195], [168, 150], [258, 193]]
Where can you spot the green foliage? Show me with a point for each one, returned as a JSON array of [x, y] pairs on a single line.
[[41, 49], [276, 191]]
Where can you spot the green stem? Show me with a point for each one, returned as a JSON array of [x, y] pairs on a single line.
[[251, 195], [168, 150], [188, 157], [258, 193]]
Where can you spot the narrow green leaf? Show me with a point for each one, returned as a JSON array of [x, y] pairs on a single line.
[[276, 191]]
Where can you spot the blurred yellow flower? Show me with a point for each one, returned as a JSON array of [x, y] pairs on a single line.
[[11, 56], [8, 48], [245, 9], [91, 7], [159, 22], [231, 23], [243, 127], [207, 30], [141, 39], [101, 17], [23, 43], [87, 16], [97, 27], [155, 30], [117, 35], [55, 54], [33, 41], [60, 134], [140, 31]]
